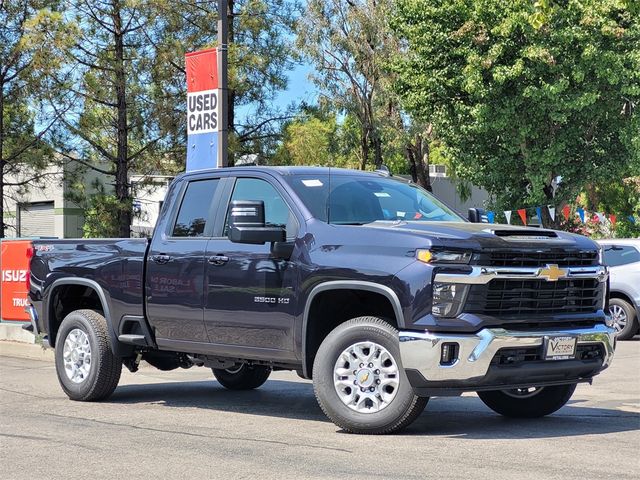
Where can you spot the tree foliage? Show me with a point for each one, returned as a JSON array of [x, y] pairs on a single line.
[[524, 92], [23, 151]]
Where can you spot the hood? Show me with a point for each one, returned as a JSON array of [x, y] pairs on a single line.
[[483, 235]]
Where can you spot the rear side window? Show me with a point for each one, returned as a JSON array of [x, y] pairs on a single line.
[[616, 255], [194, 209]]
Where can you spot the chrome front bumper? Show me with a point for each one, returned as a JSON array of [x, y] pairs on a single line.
[[421, 351]]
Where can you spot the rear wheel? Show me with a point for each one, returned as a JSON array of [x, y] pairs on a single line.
[[243, 377], [624, 318], [359, 381], [86, 367], [532, 402]]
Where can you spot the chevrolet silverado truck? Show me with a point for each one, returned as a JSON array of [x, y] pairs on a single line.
[[362, 282]]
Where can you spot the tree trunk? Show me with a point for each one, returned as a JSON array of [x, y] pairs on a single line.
[[364, 147], [2, 161], [418, 157], [377, 149], [122, 161], [546, 220]]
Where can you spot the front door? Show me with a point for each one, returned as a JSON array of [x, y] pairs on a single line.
[[250, 297], [176, 266]]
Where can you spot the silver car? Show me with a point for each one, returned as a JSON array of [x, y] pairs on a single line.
[[623, 259]]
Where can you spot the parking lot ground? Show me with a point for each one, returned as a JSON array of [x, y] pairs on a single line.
[[184, 425]]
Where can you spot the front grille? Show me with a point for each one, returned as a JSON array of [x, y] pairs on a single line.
[[540, 259], [519, 297], [515, 356]]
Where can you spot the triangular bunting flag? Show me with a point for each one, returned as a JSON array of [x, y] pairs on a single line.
[[539, 213], [600, 217], [632, 219], [580, 212], [566, 211], [552, 213], [491, 216], [612, 219], [507, 214], [523, 215]]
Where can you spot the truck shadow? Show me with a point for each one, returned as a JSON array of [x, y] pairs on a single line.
[[464, 417]]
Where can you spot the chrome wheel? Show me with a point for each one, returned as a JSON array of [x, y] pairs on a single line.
[[619, 317], [76, 355], [527, 392], [366, 377]]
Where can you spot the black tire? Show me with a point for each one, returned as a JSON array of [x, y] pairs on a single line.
[[401, 410], [631, 326], [104, 368], [520, 404], [245, 377]]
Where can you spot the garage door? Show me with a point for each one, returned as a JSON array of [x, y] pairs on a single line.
[[36, 220]]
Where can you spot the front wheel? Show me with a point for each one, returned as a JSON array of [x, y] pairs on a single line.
[[359, 381], [532, 402], [624, 318], [243, 377], [86, 367]]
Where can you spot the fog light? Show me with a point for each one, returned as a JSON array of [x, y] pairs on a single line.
[[449, 353]]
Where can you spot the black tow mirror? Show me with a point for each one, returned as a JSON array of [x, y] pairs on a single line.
[[246, 224], [478, 215]]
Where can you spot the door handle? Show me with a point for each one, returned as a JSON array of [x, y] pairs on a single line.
[[160, 259], [218, 259]]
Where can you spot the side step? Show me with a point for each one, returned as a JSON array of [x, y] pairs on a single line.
[[131, 339]]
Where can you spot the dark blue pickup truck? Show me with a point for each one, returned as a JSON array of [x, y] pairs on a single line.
[[362, 282]]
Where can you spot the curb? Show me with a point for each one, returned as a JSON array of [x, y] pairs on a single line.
[[26, 350]]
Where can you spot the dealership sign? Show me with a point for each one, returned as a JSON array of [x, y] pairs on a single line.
[[14, 275], [203, 109]]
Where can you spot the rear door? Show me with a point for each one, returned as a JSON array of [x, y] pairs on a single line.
[[176, 264], [250, 299]]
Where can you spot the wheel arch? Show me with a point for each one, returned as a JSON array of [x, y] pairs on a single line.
[[62, 288], [392, 310], [627, 298]]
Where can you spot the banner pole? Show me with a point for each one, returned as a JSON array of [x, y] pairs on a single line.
[[223, 35]]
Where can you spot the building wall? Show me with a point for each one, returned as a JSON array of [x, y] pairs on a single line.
[[49, 188], [149, 193]]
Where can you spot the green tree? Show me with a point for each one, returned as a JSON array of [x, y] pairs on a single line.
[[260, 54], [524, 92], [23, 149], [350, 44]]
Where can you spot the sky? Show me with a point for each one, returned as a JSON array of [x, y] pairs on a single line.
[[300, 89]]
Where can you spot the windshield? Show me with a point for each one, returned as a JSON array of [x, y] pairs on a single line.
[[359, 199]]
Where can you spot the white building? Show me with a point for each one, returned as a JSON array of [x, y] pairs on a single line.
[[42, 208]]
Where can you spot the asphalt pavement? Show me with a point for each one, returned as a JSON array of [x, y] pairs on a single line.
[[184, 425]]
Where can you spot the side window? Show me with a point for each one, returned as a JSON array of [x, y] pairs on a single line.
[[616, 255], [276, 211], [194, 209]]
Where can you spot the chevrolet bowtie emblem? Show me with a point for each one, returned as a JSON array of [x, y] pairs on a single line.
[[552, 273]]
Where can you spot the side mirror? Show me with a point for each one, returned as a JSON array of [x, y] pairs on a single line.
[[478, 215], [246, 224]]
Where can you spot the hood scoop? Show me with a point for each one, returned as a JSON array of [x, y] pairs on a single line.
[[524, 234]]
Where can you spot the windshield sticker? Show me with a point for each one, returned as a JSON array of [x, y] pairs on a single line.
[[401, 214], [312, 183]]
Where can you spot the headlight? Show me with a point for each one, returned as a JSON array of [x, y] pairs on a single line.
[[443, 256], [448, 298]]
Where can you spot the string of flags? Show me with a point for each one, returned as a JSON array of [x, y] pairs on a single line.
[[581, 213]]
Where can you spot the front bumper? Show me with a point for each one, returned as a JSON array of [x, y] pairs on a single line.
[[473, 368]]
